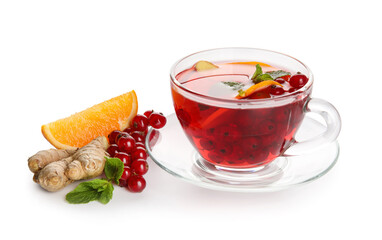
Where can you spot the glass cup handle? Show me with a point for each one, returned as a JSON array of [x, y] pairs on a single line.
[[333, 127]]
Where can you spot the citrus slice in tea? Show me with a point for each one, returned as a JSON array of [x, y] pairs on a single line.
[[257, 87], [251, 63]]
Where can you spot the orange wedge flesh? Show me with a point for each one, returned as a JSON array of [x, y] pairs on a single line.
[[252, 63], [80, 128], [257, 87]]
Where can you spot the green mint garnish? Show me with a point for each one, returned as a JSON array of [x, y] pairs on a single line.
[[234, 85], [113, 169], [263, 77], [258, 72], [259, 76], [98, 189], [278, 73]]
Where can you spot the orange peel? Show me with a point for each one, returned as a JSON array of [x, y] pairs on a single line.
[[257, 87], [252, 63]]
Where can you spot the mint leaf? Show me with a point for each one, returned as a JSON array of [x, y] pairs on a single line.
[[90, 191], [107, 194], [278, 73], [82, 194], [263, 77], [97, 184], [259, 76], [234, 85], [258, 71], [113, 169]]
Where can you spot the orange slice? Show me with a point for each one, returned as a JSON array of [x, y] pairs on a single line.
[[204, 65], [257, 87], [252, 63], [213, 117], [99, 120]]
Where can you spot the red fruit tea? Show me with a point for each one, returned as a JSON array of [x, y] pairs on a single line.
[[237, 137]]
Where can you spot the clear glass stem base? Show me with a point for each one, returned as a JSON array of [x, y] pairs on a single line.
[[266, 174]]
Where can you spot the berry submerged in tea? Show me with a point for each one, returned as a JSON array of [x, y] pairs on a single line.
[[239, 137]]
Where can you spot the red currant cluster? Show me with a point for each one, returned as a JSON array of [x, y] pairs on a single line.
[[129, 146], [296, 81]]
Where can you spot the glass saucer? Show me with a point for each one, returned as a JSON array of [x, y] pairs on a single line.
[[171, 150]]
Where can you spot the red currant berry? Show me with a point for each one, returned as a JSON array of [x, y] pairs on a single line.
[[148, 113], [224, 149], [153, 137], [145, 132], [139, 167], [112, 150], [140, 123], [280, 80], [207, 144], [292, 89], [286, 77], [183, 116], [128, 130], [277, 90], [126, 144], [251, 143], [259, 95], [139, 153], [113, 135], [127, 173], [122, 183], [228, 133], [138, 136], [124, 157], [157, 120], [121, 134], [136, 183], [140, 144], [298, 80], [267, 127]]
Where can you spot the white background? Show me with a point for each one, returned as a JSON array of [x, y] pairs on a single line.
[[60, 57]]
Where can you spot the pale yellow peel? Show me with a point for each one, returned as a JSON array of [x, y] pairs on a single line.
[[204, 65]]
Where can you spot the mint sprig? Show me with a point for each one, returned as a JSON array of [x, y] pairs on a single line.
[[257, 73], [278, 73], [259, 76], [98, 189], [234, 85], [263, 77]]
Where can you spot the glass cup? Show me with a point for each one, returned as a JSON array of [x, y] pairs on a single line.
[[242, 134]]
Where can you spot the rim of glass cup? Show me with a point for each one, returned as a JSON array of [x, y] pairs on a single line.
[[279, 100]]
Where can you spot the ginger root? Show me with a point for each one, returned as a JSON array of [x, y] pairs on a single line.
[[89, 161], [44, 157], [52, 177], [62, 168]]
